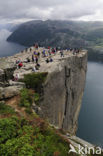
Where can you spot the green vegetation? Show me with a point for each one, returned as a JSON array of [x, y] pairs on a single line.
[[5, 109], [36, 98], [19, 137], [28, 110], [35, 80], [28, 141], [26, 98]]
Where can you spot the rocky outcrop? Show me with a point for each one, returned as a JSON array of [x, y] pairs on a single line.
[[8, 88], [9, 92], [6, 72], [63, 91]]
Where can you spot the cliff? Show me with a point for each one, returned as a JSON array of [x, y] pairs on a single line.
[[62, 92]]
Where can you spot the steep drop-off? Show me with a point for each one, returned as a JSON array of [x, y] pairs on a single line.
[[63, 91]]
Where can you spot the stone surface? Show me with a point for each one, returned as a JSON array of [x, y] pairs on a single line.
[[6, 71], [14, 83], [9, 92], [63, 91]]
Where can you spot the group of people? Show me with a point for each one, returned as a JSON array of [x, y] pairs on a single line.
[[49, 52], [46, 53]]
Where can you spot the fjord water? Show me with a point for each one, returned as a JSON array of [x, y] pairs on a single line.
[[90, 125], [8, 48]]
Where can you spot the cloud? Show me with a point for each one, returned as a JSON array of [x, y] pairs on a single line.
[[51, 9]]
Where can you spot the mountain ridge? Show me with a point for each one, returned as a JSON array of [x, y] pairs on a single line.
[[64, 34]]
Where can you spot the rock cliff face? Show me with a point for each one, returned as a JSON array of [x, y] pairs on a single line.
[[63, 91], [6, 72]]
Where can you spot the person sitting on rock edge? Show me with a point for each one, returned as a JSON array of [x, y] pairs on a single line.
[[28, 59], [37, 66], [34, 69], [50, 60], [47, 60]]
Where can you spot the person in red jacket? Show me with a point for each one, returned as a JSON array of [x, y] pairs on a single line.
[[20, 65]]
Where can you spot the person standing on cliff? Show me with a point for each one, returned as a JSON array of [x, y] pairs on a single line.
[[36, 59], [38, 54], [30, 49], [43, 53], [32, 58], [61, 52], [36, 46]]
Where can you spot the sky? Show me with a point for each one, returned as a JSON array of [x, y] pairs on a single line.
[[24, 10]]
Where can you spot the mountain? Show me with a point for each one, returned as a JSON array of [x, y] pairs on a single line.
[[62, 34], [53, 33]]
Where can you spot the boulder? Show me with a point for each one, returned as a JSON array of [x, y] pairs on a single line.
[[14, 83], [6, 71], [9, 92]]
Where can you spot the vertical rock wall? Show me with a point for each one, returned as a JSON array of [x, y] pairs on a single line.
[[63, 92]]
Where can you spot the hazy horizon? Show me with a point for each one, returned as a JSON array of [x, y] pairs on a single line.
[[24, 21]]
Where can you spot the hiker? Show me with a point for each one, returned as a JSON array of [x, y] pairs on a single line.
[[32, 58], [16, 77], [74, 51], [28, 60], [53, 50], [37, 66], [38, 54], [20, 65], [35, 53], [50, 60], [43, 53], [62, 54], [34, 69], [36, 59], [36, 46], [17, 61], [47, 60], [56, 49], [48, 47], [77, 51], [30, 49], [49, 53]]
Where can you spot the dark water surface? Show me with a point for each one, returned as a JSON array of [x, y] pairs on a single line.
[[8, 48], [91, 115]]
